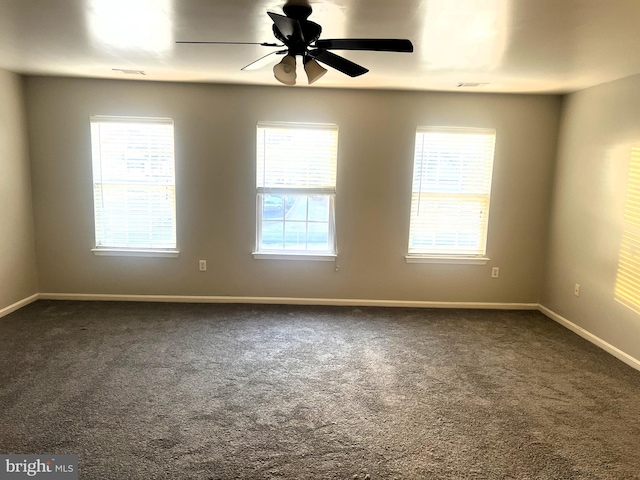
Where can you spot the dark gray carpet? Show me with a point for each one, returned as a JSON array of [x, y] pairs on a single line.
[[177, 391]]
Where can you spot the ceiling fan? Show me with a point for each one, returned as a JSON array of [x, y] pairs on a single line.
[[301, 38]]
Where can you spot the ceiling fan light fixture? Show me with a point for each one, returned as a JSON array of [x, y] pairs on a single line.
[[314, 70], [285, 71]]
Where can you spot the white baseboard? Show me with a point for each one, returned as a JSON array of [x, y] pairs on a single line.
[[350, 302], [607, 347], [12, 308]]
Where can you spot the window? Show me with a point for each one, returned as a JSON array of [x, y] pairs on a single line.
[[296, 188], [627, 289], [134, 185], [450, 194]]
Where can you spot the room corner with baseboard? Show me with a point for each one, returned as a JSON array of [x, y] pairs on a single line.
[[18, 269]]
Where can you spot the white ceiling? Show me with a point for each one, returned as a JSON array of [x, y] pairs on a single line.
[[536, 46]]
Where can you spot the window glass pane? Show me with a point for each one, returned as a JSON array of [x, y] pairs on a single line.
[[319, 208], [294, 231], [295, 235], [272, 235], [318, 236], [297, 208], [273, 206]]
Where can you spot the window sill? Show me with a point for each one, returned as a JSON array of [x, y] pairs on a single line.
[[316, 257], [451, 259], [130, 252]]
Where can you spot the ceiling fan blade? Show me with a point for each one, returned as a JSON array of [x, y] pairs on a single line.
[[339, 63], [289, 27], [264, 44], [263, 61], [374, 44]]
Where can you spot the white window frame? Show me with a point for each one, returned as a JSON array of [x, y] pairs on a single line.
[[102, 246], [483, 193], [326, 190]]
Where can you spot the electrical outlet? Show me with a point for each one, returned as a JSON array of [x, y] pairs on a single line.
[[576, 290], [203, 265], [495, 272]]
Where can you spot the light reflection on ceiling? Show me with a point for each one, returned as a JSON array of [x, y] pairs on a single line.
[[142, 25], [465, 34]]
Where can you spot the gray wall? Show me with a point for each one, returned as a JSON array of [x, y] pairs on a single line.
[[215, 149], [18, 276], [598, 129]]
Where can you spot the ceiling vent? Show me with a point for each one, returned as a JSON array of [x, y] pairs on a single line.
[[129, 72], [471, 85]]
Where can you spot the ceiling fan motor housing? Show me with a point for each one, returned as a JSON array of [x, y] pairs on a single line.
[[311, 32], [297, 12], [304, 33]]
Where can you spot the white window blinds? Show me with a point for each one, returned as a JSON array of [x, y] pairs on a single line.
[[451, 190], [133, 182], [296, 156], [628, 276]]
